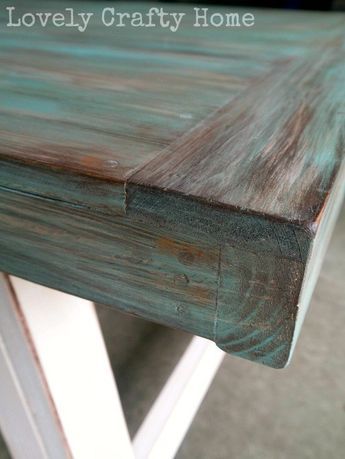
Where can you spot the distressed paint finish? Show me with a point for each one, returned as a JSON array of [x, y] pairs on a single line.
[[226, 294], [105, 102], [256, 307], [70, 188], [191, 178], [160, 275], [273, 150]]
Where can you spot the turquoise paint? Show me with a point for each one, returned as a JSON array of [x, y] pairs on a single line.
[[82, 113]]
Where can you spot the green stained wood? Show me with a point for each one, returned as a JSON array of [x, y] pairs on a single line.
[[162, 275], [69, 188], [256, 308], [190, 178]]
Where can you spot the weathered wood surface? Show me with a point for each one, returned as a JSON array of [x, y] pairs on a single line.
[[191, 178]]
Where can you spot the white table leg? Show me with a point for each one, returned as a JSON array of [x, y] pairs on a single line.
[[170, 417], [68, 344], [27, 418], [58, 397]]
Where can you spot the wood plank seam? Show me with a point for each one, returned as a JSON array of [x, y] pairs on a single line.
[[185, 160], [217, 294]]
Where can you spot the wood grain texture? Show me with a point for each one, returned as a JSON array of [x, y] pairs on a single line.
[[274, 150], [106, 102], [163, 276], [257, 305], [156, 273], [191, 178]]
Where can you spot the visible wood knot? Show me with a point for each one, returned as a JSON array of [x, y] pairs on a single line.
[[181, 279], [180, 309]]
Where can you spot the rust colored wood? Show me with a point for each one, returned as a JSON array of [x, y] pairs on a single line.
[[192, 178]]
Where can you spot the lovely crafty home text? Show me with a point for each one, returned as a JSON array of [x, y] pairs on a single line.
[[109, 17]]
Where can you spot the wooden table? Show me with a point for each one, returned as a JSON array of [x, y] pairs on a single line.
[[190, 178]]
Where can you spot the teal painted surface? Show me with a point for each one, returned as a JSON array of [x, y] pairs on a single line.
[[274, 150], [105, 102], [72, 190], [257, 305], [185, 178], [255, 233], [159, 274], [162, 276]]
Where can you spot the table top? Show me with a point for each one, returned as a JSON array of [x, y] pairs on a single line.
[[230, 141]]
